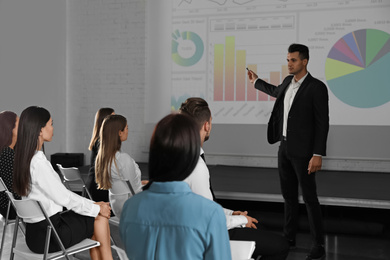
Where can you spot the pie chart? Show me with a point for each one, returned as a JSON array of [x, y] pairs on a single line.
[[188, 43], [357, 68]]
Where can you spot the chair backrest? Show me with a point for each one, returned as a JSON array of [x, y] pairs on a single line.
[[26, 208], [120, 187], [70, 174], [2, 185]]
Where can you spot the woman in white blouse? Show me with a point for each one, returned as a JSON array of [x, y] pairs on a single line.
[[112, 163], [35, 178]]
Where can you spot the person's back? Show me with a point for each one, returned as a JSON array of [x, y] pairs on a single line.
[[124, 168], [168, 221], [9, 122]]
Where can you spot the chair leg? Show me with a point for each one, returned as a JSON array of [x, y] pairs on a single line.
[[112, 241], [3, 236], [6, 222], [47, 242], [14, 238]]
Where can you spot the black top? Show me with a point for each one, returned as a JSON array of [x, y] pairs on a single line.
[[97, 195], [94, 152], [6, 172]]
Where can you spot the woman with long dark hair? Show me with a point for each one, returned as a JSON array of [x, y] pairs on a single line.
[[35, 178], [9, 122], [167, 220]]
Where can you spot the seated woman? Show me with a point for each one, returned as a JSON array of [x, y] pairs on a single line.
[[35, 178], [97, 195], [8, 132], [112, 163], [167, 220]]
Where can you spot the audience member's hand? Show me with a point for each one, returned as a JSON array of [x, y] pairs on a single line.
[[252, 76], [144, 182], [245, 213], [251, 222], [105, 209]]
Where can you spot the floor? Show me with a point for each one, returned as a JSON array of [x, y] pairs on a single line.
[[80, 256], [352, 233], [336, 188], [338, 247]]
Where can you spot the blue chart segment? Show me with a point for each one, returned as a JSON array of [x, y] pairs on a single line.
[[178, 39], [357, 68]]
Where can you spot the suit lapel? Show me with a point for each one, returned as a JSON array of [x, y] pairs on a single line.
[[282, 92]]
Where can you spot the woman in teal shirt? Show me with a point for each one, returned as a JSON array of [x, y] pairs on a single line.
[[167, 220]]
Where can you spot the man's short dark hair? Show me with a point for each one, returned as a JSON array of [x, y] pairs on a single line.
[[198, 109], [302, 49]]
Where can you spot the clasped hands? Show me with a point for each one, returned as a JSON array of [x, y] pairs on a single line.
[[105, 209], [251, 221]]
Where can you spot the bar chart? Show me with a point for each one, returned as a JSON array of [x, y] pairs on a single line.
[[230, 76]]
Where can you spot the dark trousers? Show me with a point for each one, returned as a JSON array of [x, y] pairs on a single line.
[[269, 245], [293, 173]]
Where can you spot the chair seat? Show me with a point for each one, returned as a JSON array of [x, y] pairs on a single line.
[[242, 250], [22, 250], [114, 221]]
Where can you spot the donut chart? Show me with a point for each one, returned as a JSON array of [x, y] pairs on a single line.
[[357, 68], [196, 51]]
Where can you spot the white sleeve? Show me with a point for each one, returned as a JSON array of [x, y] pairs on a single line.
[[199, 180], [49, 185], [131, 172], [233, 221]]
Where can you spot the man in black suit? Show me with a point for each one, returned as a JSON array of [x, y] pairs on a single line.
[[300, 120]]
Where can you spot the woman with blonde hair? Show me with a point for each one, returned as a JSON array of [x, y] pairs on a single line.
[[112, 163], [97, 194], [35, 178]]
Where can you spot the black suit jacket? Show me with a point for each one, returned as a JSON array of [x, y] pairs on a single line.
[[308, 118]]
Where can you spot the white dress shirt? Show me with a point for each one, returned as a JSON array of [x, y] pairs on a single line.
[[47, 188], [289, 98], [199, 182]]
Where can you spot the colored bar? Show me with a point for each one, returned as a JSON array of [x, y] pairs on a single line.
[[229, 67], [284, 71], [275, 80], [240, 75], [251, 92], [218, 72], [261, 95]]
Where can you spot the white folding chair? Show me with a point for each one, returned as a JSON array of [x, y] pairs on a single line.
[[242, 250], [119, 187], [7, 221], [72, 179], [28, 208]]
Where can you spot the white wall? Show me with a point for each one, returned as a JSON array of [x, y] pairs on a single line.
[[75, 56], [106, 68], [33, 60]]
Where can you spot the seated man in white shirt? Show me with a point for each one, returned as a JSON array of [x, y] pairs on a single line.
[[241, 226]]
